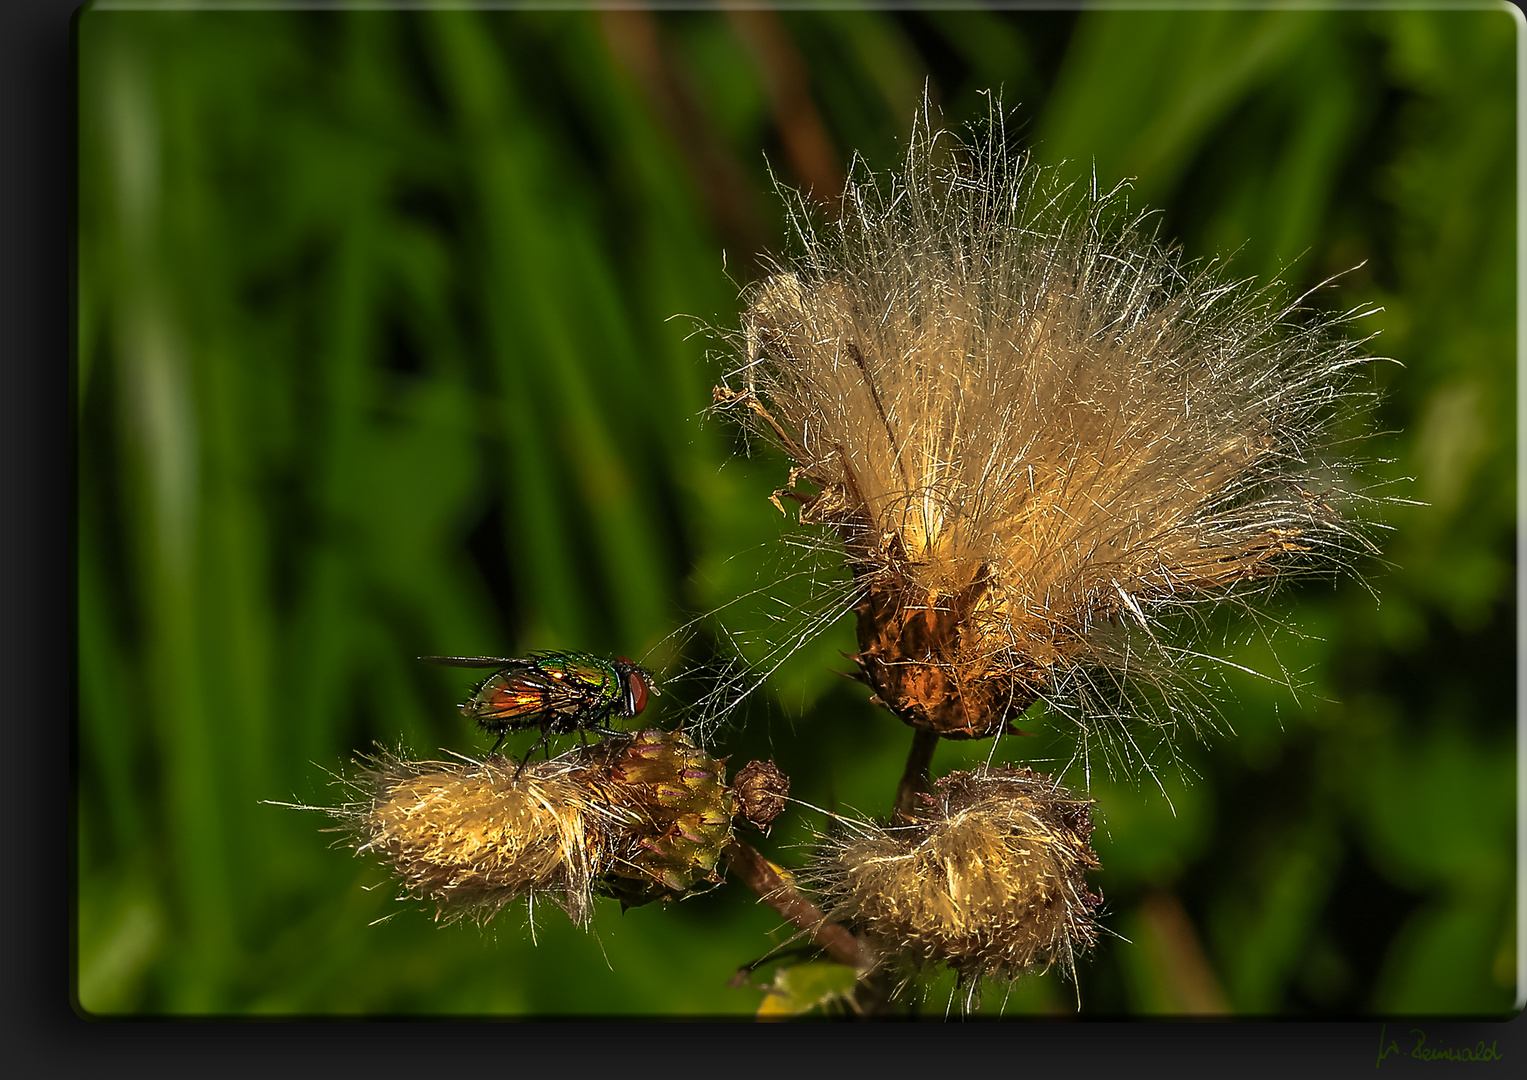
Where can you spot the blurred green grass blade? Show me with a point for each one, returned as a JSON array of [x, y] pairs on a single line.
[[505, 157], [1001, 56], [162, 457], [1261, 937], [112, 713], [1139, 89]]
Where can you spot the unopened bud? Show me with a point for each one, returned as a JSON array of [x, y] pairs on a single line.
[[761, 790], [673, 815]]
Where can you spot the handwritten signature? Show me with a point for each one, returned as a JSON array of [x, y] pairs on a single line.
[[1421, 1052]]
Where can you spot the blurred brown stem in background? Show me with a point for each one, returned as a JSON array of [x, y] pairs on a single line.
[[635, 40], [1187, 980], [807, 143]]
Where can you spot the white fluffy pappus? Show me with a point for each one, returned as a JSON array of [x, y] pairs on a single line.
[[1038, 433]]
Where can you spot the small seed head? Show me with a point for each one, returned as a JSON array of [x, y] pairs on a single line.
[[473, 836], [989, 877], [640, 819]]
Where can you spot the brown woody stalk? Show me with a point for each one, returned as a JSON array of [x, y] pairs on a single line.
[[764, 878]]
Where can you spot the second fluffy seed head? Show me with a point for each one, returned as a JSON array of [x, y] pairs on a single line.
[[988, 877]]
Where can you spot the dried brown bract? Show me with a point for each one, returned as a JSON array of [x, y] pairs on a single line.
[[988, 878], [1033, 428]]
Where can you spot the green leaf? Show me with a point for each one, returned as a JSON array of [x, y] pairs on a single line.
[[799, 989]]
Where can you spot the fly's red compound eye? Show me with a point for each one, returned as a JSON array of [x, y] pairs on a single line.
[[636, 692]]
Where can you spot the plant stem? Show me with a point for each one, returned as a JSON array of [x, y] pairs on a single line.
[[914, 780], [780, 894]]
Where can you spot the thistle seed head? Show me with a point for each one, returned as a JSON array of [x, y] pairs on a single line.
[[472, 836], [640, 818], [1029, 425], [988, 878]]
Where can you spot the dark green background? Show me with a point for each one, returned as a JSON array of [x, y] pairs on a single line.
[[375, 359]]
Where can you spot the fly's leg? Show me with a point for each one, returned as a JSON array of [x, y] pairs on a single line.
[[544, 741]]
